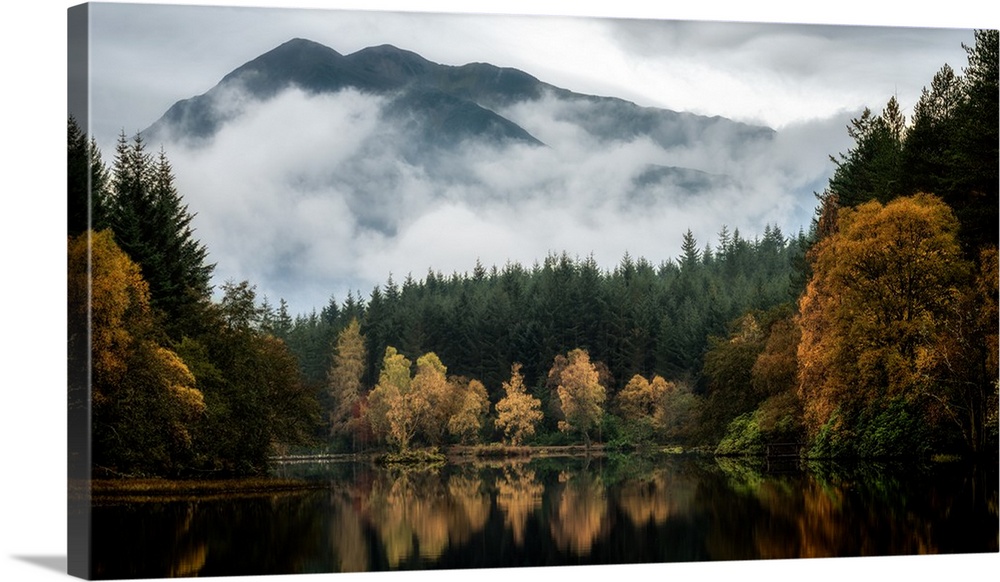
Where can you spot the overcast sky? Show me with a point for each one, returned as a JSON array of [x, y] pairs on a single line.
[[804, 80], [146, 57]]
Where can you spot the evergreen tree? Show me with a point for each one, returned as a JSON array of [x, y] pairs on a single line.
[[976, 147], [152, 224], [872, 169], [87, 182]]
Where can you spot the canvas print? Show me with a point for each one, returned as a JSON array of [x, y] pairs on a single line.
[[371, 291]]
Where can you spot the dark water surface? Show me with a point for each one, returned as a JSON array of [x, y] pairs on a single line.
[[548, 512]]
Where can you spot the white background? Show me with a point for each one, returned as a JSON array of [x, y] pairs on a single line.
[[33, 494]]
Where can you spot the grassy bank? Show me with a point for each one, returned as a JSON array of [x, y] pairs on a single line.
[[149, 489]]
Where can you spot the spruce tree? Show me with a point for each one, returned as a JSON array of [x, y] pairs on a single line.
[[87, 179], [153, 225]]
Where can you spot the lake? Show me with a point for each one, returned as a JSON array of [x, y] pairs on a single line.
[[552, 511]]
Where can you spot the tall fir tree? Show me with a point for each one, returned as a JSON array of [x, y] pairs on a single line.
[[153, 225], [87, 182]]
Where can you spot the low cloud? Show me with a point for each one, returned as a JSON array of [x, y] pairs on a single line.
[[309, 196]]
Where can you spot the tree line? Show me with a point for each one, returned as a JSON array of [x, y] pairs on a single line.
[[875, 333]]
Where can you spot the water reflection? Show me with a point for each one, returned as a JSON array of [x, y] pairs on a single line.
[[519, 496], [550, 512]]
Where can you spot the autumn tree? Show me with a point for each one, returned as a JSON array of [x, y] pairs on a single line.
[[517, 412], [965, 362], [639, 398], [643, 403], [431, 399], [774, 379], [471, 405], [882, 288], [344, 382], [143, 396], [388, 395], [581, 395]]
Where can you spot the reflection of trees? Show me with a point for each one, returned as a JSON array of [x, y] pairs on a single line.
[[804, 515], [655, 497], [347, 535], [189, 557], [470, 507], [519, 494], [581, 512], [420, 513]]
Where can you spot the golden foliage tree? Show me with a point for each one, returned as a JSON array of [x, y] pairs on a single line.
[[394, 380], [643, 399], [883, 287], [518, 412], [472, 404], [430, 397], [581, 395], [965, 362], [144, 399], [344, 381]]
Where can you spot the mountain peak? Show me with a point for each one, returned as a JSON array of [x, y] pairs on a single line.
[[441, 104], [392, 64]]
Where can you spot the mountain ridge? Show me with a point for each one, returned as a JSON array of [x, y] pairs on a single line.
[[459, 101]]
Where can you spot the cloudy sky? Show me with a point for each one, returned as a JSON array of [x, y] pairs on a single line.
[[304, 245]]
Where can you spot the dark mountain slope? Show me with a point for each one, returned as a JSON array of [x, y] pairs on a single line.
[[441, 104]]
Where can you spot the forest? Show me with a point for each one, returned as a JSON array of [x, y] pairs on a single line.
[[871, 334]]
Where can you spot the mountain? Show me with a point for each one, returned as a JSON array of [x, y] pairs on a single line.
[[442, 100], [318, 173], [438, 105]]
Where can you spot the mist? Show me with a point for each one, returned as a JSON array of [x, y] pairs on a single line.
[[310, 197]]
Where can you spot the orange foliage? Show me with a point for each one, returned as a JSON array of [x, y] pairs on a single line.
[[883, 284]]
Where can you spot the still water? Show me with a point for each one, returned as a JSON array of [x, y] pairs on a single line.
[[554, 511]]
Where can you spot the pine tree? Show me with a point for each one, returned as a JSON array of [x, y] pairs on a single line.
[[87, 180], [153, 226], [872, 169]]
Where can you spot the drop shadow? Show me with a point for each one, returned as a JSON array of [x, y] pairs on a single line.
[[54, 563]]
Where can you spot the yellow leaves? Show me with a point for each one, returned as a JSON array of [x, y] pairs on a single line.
[[106, 287], [400, 408], [881, 291], [774, 371], [519, 495], [581, 394], [432, 396], [344, 380], [394, 380], [641, 398], [472, 405], [518, 412], [144, 394]]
